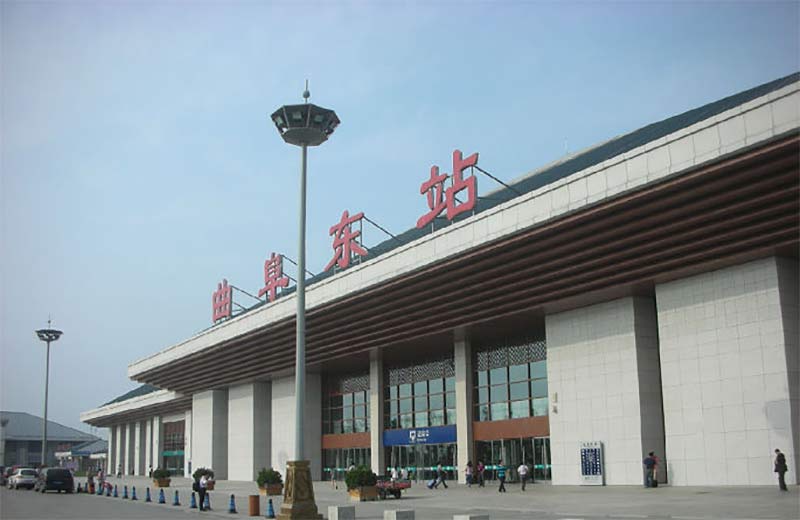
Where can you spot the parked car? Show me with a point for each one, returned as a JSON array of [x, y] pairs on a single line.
[[22, 477], [58, 479], [3, 478]]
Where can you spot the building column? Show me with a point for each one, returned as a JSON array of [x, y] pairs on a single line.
[[463, 367], [129, 448], [282, 424], [137, 448], [148, 445], [210, 432], [248, 430], [156, 440], [376, 427], [112, 449], [120, 452]]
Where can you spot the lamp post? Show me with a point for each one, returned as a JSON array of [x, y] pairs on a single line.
[[302, 125], [48, 335]]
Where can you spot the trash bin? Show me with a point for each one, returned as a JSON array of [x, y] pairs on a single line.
[[253, 503]]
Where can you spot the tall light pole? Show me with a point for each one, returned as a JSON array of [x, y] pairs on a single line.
[[302, 125], [48, 335]]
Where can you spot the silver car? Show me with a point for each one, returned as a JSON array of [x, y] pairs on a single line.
[[22, 477]]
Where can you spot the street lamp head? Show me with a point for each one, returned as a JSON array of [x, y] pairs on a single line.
[[49, 335], [305, 124]]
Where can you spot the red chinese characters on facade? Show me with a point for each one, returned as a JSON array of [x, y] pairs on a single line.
[[441, 198], [221, 301], [344, 241], [273, 277]]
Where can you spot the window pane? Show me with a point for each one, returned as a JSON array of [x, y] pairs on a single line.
[[393, 408], [451, 399], [360, 425], [347, 426], [499, 411], [421, 388], [483, 395], [483, 412], [540, 406], [393, 392], [539, 369], [437, 418], [348, 399], [518, 372], [437, 401], [520, 409], [450, 384], [360, 411], [519, 390], [406, 421], [336, 401], [451, 416], [336, 414], [358, 397], [394, 422], [436, 386], [483, 378], [539, 388], [405, 390], [498, 375], [348, 412], [420, 403], [405, 405], [421, 419], [499, 393], [337, 426]]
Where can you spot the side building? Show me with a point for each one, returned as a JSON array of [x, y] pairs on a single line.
[[21, 439], [641, 295]]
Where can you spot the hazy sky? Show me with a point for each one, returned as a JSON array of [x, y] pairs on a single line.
[[139, 164]]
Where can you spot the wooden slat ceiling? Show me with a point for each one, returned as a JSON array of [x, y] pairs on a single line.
[[717, 215]]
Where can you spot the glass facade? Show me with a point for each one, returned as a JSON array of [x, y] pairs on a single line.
[[421, 460], [534, 451], [419, 396], [336, 461], [511, 381], [345, 404], [173, 454]]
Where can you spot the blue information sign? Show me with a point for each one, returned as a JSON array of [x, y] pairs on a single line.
[[432, 435]]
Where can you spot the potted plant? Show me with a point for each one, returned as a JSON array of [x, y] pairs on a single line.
[[361, 484], [269, 482], [209, 473], [161, 478]]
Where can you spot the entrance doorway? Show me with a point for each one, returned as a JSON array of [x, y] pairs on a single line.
[[421, 460], [534, 451]]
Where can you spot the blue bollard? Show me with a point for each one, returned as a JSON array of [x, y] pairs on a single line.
[[161, 499], [270, 509], [147, 495], [175, 501], [207, 502], [125, 492], [133, 493], [115, 491], [193, 502], [232, 506]]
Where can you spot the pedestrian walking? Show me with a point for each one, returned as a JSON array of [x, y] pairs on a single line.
[[404, 473], [522, 470], [119, 471], [468, 473], [650, 462], [440, 476], [501, 476], [202, 489], [481, 469], [395, 474], [781, 468]]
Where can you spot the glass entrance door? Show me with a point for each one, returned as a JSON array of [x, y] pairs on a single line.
[[535, 452]]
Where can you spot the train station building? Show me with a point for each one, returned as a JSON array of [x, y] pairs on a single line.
[[641, 295]]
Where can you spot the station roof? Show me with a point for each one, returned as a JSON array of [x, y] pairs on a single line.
[[136, 392], [23, 426], [89, 448]]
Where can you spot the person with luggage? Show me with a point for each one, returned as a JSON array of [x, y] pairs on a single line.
[[440, 476]]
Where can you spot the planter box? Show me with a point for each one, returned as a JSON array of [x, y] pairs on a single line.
[[363, 494], [161, 482], [271, 490]]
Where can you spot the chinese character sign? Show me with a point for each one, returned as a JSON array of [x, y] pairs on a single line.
[[221, 301], [344, 241], [441, 198], [273, 277]]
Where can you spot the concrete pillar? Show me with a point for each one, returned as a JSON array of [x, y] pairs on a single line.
[[729, 341], [376, 386], [138, 449], [187, 444], [129, 448], [156, 439], [112, 450], [282, 424], [148, 444], [120, 450], [210, 432], [463, 367], [603, 379], [248, 430]]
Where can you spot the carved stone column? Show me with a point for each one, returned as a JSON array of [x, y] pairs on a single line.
[[298, 493]]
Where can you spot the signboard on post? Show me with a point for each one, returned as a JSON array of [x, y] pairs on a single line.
[[592, 463]]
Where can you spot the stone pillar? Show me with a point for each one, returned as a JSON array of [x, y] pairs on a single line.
[[138, 451], [248, 430], [210, 432], [788, 287], [129, 448], [282, 424], [148, 445], [463, 367], [298, 494], [119, 458], [156, 439], [603, 379], [187, 444], [376, 386], [111, 459]]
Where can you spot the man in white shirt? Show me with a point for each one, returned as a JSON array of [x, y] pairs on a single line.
[[522, 470]]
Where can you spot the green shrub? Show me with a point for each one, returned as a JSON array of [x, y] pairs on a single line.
[[268, 476], [160, 474], [199, 472], [360, 477]]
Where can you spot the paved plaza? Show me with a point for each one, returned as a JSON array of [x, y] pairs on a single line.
[[538, 502]]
